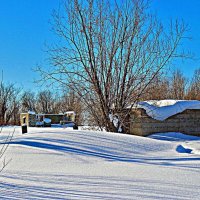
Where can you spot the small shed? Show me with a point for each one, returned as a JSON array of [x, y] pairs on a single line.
[[180, 116], [32, 119]]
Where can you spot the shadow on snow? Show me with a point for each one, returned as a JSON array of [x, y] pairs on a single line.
[[110, 156]]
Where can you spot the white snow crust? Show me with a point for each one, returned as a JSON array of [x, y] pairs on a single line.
[[161, 110], [31, 112], [56, 163]]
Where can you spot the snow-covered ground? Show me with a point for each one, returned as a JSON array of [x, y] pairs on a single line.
[[57, 163]]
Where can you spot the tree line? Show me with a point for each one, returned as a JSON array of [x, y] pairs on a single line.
[[174, 86], [14, 100]]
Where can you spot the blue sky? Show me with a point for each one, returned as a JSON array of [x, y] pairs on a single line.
[[25, 27], [187, 10]]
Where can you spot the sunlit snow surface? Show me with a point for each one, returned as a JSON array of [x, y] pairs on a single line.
[[163, 109], [58, 163]]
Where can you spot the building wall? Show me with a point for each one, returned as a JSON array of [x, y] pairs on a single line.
[[186, 122], [55, 118], [22, 116], [30, 119]]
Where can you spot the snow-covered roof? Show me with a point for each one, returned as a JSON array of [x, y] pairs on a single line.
[[31, 112], [42, 114], [70, 112], [161, 110]]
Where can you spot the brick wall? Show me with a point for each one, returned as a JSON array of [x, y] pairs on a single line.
[[186, 122]]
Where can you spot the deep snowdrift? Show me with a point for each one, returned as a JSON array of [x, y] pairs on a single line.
[[57, 163]]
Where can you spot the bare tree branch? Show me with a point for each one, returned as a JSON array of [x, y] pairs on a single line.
[[110, 54]]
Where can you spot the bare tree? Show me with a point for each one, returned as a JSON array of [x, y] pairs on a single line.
[[158, 89], [178, 85], [70, 102], [45, 102], [9, 103], [194, 88], [28, 101], [110, 53]]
